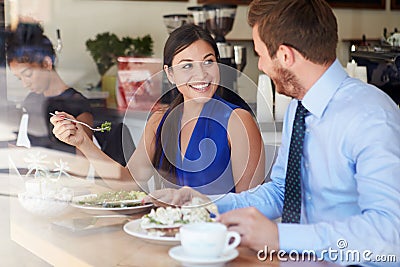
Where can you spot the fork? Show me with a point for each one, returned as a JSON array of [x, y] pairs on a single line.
[[98, 129], [210, 207]]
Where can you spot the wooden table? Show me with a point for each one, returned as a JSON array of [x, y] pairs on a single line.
[[105, 247], [102, 247]]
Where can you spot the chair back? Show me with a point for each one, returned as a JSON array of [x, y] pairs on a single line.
[[265, 101], [281, 104]]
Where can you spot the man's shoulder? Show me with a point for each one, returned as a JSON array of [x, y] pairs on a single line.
[[357, 96]]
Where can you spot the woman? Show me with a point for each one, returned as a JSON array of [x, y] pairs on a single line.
[[31, 58], [200, 140]]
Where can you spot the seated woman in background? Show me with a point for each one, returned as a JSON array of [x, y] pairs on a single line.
[[200, 140], [31, 57]]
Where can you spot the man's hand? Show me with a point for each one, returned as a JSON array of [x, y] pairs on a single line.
[[174, 197], [256, 230]]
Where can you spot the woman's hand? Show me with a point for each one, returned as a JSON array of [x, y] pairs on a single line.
[[67, 131], [174, 197]]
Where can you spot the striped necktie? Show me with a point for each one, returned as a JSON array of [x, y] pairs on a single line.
[[292, 202]]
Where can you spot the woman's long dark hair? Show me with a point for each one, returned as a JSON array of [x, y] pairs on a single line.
[[178, 40]]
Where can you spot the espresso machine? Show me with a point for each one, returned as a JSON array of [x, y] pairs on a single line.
[[218, 20], [383, 68], [199, 16], [173, 21]]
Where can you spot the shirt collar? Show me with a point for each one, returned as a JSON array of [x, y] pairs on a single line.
[[317, 98]]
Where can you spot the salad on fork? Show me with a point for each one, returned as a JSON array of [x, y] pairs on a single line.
[[106, 126]]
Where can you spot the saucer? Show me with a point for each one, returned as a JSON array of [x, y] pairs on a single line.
[[178, 254]]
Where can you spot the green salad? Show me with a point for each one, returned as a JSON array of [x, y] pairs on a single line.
[[119, 199], [106, 126]]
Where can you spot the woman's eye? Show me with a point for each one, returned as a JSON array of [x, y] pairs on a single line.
[[208, 62], [27, 73], [187, 66]]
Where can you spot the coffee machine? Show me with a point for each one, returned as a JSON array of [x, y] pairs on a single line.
[[199, 16], [173, 21], [218, 20]]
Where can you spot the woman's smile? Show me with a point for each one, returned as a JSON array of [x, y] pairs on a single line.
[[200, 86]]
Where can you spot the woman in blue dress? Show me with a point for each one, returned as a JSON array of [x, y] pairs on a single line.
[[200, 140]]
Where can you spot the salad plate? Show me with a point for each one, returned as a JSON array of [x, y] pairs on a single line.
[[135, 229], [162, 225], [111, 206]]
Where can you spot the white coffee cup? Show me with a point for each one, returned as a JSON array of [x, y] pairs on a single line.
[[207, 239]]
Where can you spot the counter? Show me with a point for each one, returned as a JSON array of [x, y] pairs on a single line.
[[383, 68]]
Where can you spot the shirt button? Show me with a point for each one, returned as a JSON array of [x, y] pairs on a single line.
[[307, 130], [308, 197], [306, 164]]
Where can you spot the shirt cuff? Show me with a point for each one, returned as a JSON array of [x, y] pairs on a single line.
[[297, 237], [224, 202]]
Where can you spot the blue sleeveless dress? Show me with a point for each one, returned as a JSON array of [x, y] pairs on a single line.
[[206, 165]]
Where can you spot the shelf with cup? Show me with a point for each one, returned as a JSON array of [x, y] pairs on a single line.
[[370, 42], [248, 41]]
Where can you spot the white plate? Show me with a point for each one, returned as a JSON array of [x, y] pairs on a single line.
[[101, 210], [133, 228], [177, 253]]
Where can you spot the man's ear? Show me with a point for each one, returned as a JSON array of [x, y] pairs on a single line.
[[47, 63], [170, 74], [285, 55]]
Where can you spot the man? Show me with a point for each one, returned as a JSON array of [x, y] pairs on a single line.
[[348, 195]]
